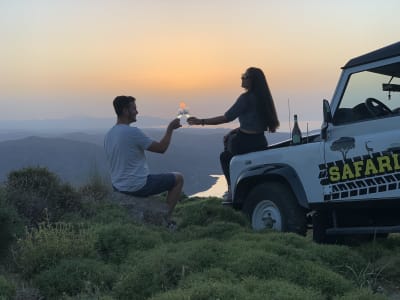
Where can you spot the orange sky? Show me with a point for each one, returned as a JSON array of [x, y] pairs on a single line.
[[68, 58]]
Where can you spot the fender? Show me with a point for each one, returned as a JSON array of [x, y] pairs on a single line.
[[281, 172]]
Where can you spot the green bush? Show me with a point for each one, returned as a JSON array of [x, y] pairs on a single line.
[[162, 268], [311, 275], [7, 289], [107, 213], [259, 263], [11, 227], [213, 274], [38, 195], [115, 241], [249, 288], [278, 289], [206, 291], [361, 294], [45, 246], [82, 275], [205, 212], [95, 189], [218, 230]]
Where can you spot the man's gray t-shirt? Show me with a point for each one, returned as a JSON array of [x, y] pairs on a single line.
[[124, 146]]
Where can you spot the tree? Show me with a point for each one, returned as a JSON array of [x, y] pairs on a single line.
[[344, 145]]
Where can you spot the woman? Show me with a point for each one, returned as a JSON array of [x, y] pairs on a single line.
[[256, 112]]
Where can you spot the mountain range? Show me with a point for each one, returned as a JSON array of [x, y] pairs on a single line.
[[76, 156]]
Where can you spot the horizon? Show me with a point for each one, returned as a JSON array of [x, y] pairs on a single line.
[[61, 59], [145, 122]]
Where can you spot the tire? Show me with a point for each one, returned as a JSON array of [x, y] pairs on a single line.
[[272, 205]]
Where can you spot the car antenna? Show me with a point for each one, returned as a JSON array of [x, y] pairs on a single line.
[[389, 94], [290, 126]]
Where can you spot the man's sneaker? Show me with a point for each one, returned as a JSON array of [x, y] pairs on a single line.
[[171, 226]]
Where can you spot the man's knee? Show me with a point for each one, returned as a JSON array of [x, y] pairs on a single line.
[[178, 179]]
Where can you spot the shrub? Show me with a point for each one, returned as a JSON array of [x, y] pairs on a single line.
[[259, 263], [339, 258], [204, 212], [38, 195], [212, 274], [107, 213], [11, 227], [43, 247], [95, 189], [162, 268], [218, 230], [249, 288], [311, 275], [116, 240], [361, 294], [82, 275], [206, 291], [7, 289], [278, 289]]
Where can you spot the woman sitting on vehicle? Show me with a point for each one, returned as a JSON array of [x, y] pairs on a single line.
[[256, 112]]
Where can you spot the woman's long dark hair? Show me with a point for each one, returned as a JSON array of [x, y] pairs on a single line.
[[265, 103]]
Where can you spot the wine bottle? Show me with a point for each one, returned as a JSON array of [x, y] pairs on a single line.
[[296, 132]]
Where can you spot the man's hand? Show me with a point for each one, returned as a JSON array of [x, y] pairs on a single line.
[[162, 145], [174, 124]]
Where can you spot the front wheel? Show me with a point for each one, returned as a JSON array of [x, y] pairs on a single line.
[[272, 205]]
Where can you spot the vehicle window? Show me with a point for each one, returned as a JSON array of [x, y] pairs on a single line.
[[366, 98]]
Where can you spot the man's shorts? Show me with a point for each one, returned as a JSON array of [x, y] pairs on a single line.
[[155, 184]]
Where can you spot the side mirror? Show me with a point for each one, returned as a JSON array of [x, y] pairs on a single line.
[[326, 108]]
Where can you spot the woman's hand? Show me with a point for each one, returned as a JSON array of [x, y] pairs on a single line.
[[193, 121]]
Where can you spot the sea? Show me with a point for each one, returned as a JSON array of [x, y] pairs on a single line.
[[216, 190]]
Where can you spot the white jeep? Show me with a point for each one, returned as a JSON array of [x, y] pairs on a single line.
[[344, 180]]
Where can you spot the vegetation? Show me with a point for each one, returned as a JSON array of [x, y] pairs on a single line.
[[77, 245]]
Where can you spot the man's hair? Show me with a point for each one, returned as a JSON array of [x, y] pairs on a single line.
[[121, 102]]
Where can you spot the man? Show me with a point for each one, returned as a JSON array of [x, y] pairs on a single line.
[[125, 145]]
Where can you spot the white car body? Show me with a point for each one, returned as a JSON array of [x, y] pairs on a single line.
[[356, 158]]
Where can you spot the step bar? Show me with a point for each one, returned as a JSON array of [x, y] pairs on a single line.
[[362, 230]]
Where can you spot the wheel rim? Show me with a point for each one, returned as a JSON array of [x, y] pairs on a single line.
[[266, 215]]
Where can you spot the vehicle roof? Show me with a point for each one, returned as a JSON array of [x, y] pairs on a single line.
[[382, 53]]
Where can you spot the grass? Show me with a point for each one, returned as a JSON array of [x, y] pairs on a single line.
[[100, 253]]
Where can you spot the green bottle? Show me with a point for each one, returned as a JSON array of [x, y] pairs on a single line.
[[296, 132]]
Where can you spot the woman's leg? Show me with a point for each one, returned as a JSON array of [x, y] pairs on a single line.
[[225, 158]]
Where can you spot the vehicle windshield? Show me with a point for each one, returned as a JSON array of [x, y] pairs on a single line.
[[370, 94]]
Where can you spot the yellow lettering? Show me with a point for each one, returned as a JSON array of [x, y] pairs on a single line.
[[347, 172], [370, 167], [334, 174], [358, 168], [396, 164], [384, 163]]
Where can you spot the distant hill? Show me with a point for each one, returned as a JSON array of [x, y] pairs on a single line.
[[76, 156], [73, 123], [71, 160]]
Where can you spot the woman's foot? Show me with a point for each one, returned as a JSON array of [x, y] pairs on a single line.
[[227, 197]]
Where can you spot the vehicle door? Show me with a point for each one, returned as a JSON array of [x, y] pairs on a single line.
[[362, 148]]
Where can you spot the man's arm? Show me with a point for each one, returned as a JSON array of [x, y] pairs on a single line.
[[162, 145]]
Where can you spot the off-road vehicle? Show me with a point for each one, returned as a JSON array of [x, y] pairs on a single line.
[[346, 178]]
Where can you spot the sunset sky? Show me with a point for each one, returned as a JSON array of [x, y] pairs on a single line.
[[61, 59]]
